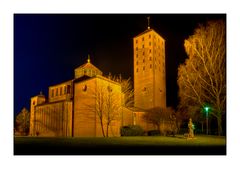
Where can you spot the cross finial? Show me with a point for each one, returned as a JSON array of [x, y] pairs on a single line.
[[148, 18], [88, 60]]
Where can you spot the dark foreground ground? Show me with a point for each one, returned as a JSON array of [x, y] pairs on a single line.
[[158, 145]]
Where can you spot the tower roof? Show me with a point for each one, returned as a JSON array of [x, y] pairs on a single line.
[[148, 30]]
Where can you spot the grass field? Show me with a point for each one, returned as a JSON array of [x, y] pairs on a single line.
[[156, 145]]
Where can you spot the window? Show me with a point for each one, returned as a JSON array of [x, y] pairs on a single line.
[[150, 66], [143, 53], [136, 41], [57, 92], [134, 118], [142, 46], [68, 89], [150, 58], [143, 60], [137, 63], [142, 38], [52, 92], [149, 43], [143, 67], [60, 91], [136, 48], [136, 55], [137, 70], [65, 89], [150, 51], [149, 36]]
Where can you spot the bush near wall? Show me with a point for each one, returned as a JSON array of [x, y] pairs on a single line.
[[132, 130]]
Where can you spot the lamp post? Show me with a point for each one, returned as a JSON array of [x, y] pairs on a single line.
[[206, 108]]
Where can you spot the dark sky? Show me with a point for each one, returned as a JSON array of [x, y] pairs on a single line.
[[48, 47]]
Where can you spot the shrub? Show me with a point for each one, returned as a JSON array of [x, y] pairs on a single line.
[[132, 130], [153, 133]]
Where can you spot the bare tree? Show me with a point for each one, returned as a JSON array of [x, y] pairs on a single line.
[[128, 92], [107, 108], [112, 107], [23, 121], [99, 108], [202, 78]]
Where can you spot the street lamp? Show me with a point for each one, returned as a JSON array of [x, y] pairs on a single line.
[[206, 108]]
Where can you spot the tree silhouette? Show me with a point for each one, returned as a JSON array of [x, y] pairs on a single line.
[[202, 78], [23, 121]]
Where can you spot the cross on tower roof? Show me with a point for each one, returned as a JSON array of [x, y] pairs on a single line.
[[148, 18], [88, 60]]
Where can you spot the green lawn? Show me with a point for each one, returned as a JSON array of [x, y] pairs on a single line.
[[116, 145], [130, 141]]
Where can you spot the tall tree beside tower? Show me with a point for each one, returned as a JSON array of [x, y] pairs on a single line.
[[202, 78]]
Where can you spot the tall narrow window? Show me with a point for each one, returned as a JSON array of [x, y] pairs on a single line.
[[142, 38], [65, 89], [60, 91], [56, 91], [150, 66], [143, 67], [149, 36], [52, 92], [142, 46], [134, 118], [68, 89], [149, 43], [143, 60]]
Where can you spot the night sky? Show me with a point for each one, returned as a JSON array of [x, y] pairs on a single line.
[[48, 47]]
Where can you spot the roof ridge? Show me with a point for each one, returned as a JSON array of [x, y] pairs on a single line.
[[88, 63]]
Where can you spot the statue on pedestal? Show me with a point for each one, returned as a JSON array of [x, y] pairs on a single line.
[[190, 129]]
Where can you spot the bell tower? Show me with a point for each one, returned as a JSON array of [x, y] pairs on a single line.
[[149, 70]]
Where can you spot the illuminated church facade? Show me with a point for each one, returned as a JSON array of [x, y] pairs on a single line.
[[72, 107]]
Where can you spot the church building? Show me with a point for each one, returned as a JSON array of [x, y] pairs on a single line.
[[74, 108]]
